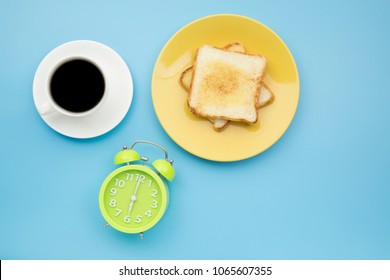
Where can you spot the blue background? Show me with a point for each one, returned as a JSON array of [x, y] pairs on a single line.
[[321, 192]]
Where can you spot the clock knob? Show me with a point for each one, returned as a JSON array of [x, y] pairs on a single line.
[[126, 156], [165, 168]]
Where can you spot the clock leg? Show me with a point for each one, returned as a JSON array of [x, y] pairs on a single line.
[[141, 235]]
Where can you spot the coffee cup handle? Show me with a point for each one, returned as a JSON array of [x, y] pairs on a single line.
[[45, 109]]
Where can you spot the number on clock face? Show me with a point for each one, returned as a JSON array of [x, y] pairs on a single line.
[[133, 198]]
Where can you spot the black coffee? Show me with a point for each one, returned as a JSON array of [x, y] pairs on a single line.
[[77, 86]]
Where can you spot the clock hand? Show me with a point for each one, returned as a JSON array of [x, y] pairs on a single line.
[[133, 197], [130, 207]]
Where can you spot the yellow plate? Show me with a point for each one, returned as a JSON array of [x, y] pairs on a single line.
[[237, 141]]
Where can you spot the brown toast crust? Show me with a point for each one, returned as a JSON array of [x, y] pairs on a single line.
[[269, 101], [182, 78]]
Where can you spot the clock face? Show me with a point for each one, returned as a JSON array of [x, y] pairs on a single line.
[[133, 198]]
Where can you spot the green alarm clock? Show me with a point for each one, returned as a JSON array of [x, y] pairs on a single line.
[[134, 197]]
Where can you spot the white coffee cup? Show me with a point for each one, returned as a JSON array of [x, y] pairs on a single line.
[[75, 86], [113, 99]]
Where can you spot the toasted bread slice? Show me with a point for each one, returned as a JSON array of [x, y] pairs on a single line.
[[235, 47], [266, 96], [226, 84], [186, 78]]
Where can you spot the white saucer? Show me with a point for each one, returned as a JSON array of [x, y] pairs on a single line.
[[117, 99]]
